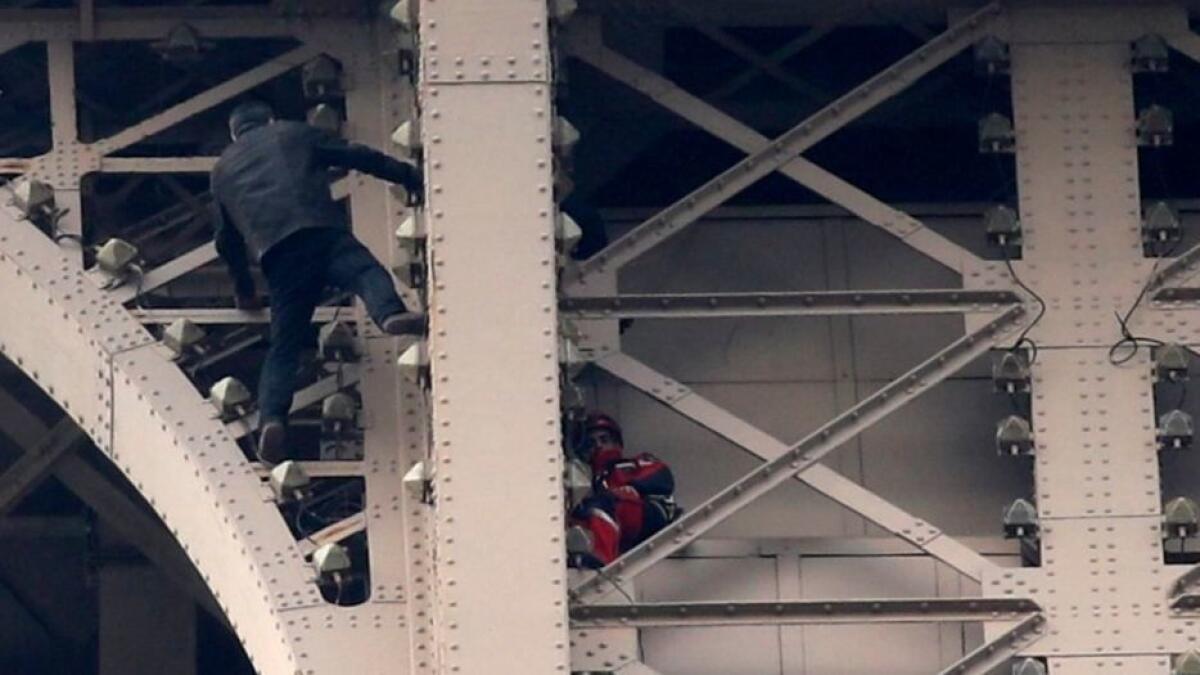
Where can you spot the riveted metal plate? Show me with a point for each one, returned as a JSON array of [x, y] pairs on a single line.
[[485, 41], [489, 155], [47, 342], [1102, 587], [1079, 195], [1102, 582], [56, 269], [1094, 425], [170, 444], [394, 409], [600, 649]]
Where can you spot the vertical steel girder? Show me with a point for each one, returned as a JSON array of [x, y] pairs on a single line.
[[1097, 465], [801, 456], [821, 478], [395, 410], [768, 156], [487, 116]]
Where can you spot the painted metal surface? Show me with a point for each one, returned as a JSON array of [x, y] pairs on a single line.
[[1102, 578], [139, 409], [492, 298]]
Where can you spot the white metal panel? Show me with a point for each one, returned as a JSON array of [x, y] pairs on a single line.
[[898, 649], [938, 459], [876, 260], [706, 651], [700, 350], [787, 255], [886, 347], [736, 255]]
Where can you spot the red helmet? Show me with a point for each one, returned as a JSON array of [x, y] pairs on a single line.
[[599, 420]]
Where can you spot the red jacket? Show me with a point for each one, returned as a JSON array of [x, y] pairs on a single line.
[[645, 473]]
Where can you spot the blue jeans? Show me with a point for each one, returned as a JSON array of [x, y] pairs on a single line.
[[298, 269]]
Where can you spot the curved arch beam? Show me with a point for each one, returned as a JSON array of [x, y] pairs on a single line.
[[107, 372]]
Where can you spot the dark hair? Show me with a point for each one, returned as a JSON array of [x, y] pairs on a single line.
[[249, 115]]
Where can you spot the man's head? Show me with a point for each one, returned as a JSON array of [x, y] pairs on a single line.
[[247, 116], [603, 433]]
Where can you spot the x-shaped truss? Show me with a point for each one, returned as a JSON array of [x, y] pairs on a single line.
[[799, 461]]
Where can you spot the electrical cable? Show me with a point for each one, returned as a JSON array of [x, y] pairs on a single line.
[[1129, 341], [1023, 339]]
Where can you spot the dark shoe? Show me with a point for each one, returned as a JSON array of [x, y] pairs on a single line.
[[271, 441], [407, 323]]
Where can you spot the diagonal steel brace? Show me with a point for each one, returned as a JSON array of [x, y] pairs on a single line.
[[802, 455], [766, 157], [819, 477]]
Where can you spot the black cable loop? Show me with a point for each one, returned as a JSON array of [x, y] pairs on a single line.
[[1130, 342], [1023, 340]]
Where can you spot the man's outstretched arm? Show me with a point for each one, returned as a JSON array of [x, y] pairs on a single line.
[[334, 152]]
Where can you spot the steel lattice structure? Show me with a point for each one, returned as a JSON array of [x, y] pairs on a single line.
[[469, 577]]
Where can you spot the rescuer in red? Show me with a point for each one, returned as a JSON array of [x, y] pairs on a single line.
[[632, 497]]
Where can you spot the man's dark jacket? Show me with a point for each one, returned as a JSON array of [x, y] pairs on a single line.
[[273, 181]]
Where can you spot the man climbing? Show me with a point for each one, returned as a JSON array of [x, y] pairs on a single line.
[[631, 499], [272, 201]]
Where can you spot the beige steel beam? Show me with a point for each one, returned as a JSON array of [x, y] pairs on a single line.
[[824, 303], [158, 316], [797, 613]]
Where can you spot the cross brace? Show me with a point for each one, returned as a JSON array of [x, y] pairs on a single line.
[[802, 455], [821, 478], [767, 156]]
